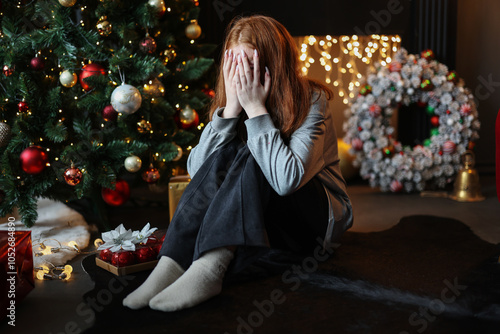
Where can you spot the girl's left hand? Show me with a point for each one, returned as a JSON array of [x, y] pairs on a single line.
[[251, 93]]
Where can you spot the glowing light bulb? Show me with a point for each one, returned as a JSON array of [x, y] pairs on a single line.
[[74, 245], [98, 242]]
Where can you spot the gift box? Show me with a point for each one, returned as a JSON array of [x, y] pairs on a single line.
[[131, 255], [176, 187], [16, 263]]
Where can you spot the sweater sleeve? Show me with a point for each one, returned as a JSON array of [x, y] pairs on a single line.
[[217, 133], [288, 167]]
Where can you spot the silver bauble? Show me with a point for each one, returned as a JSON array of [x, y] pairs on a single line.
[[126, 99], [133, 164]]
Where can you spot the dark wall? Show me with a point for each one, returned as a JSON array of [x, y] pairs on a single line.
[[478, 47], [311, 17]]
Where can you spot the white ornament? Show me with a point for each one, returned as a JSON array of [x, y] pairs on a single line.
[[126, 99], [133, 164], [68, 79]]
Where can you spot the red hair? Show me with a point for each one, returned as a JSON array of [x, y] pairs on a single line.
[[290, 96]]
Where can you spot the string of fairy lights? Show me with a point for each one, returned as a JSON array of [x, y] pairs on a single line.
[[49, 271], [340, 57]]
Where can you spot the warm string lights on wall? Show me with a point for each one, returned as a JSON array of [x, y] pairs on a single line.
[[340, 57]]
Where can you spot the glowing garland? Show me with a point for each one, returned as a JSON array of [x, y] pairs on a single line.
[[411, 79], [341, 54]]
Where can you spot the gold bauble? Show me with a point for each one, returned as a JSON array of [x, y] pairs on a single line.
[[154, 88], [144, 126], [179, 153], [67, 3], [193, 30], [346, 160], [68, 79], [169, 55], [104, 28]]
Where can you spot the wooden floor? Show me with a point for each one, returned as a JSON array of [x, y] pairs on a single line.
[[54, 306]]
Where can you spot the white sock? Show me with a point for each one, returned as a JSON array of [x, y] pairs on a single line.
[[202, 281], [166, 272]]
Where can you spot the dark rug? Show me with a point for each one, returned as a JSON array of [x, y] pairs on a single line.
[[426, 274]]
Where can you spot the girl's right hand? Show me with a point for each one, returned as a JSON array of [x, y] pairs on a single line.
[[233, 107]]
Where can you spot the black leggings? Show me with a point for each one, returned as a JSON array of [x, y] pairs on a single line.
[[230, 203]]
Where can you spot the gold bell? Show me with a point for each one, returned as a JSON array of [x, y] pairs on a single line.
[[466, 187]]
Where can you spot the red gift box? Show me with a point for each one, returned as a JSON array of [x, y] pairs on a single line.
[[16, 273]]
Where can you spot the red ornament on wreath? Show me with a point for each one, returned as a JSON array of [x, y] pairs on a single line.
[[106, 255], [37, 63], [357, 144], [396, 186], [123, 259], [73, 176], [395, 66], [33, 160], [151, 175], [23, 106], [145, 254], [117, 196], [88, 71], [435, 120], [449, 147], [374, 110], [109, 113]]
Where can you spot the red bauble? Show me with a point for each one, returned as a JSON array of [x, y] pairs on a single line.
[[73, 176], [7, 71], [209, 92], [118, 196], [396, 186], [88, 71], [147, 45], [23, 106], [123, 259], [395, 66], [145, 254], [357, 144], [449, 147], [37, 63], [435, 121], [109, 113], [33, 160], [151, 175], [106, 255], [374, 110]]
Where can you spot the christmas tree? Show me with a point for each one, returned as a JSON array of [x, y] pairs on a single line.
[[94, 89]]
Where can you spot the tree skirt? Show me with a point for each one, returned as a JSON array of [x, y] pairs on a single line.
[[58, 222]]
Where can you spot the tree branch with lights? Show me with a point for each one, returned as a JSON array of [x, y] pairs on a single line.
[[92, 89]]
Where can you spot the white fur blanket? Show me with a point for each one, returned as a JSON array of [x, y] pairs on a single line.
[[55, 221]]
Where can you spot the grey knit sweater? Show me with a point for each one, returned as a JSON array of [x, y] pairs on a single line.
[[311, 152]]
